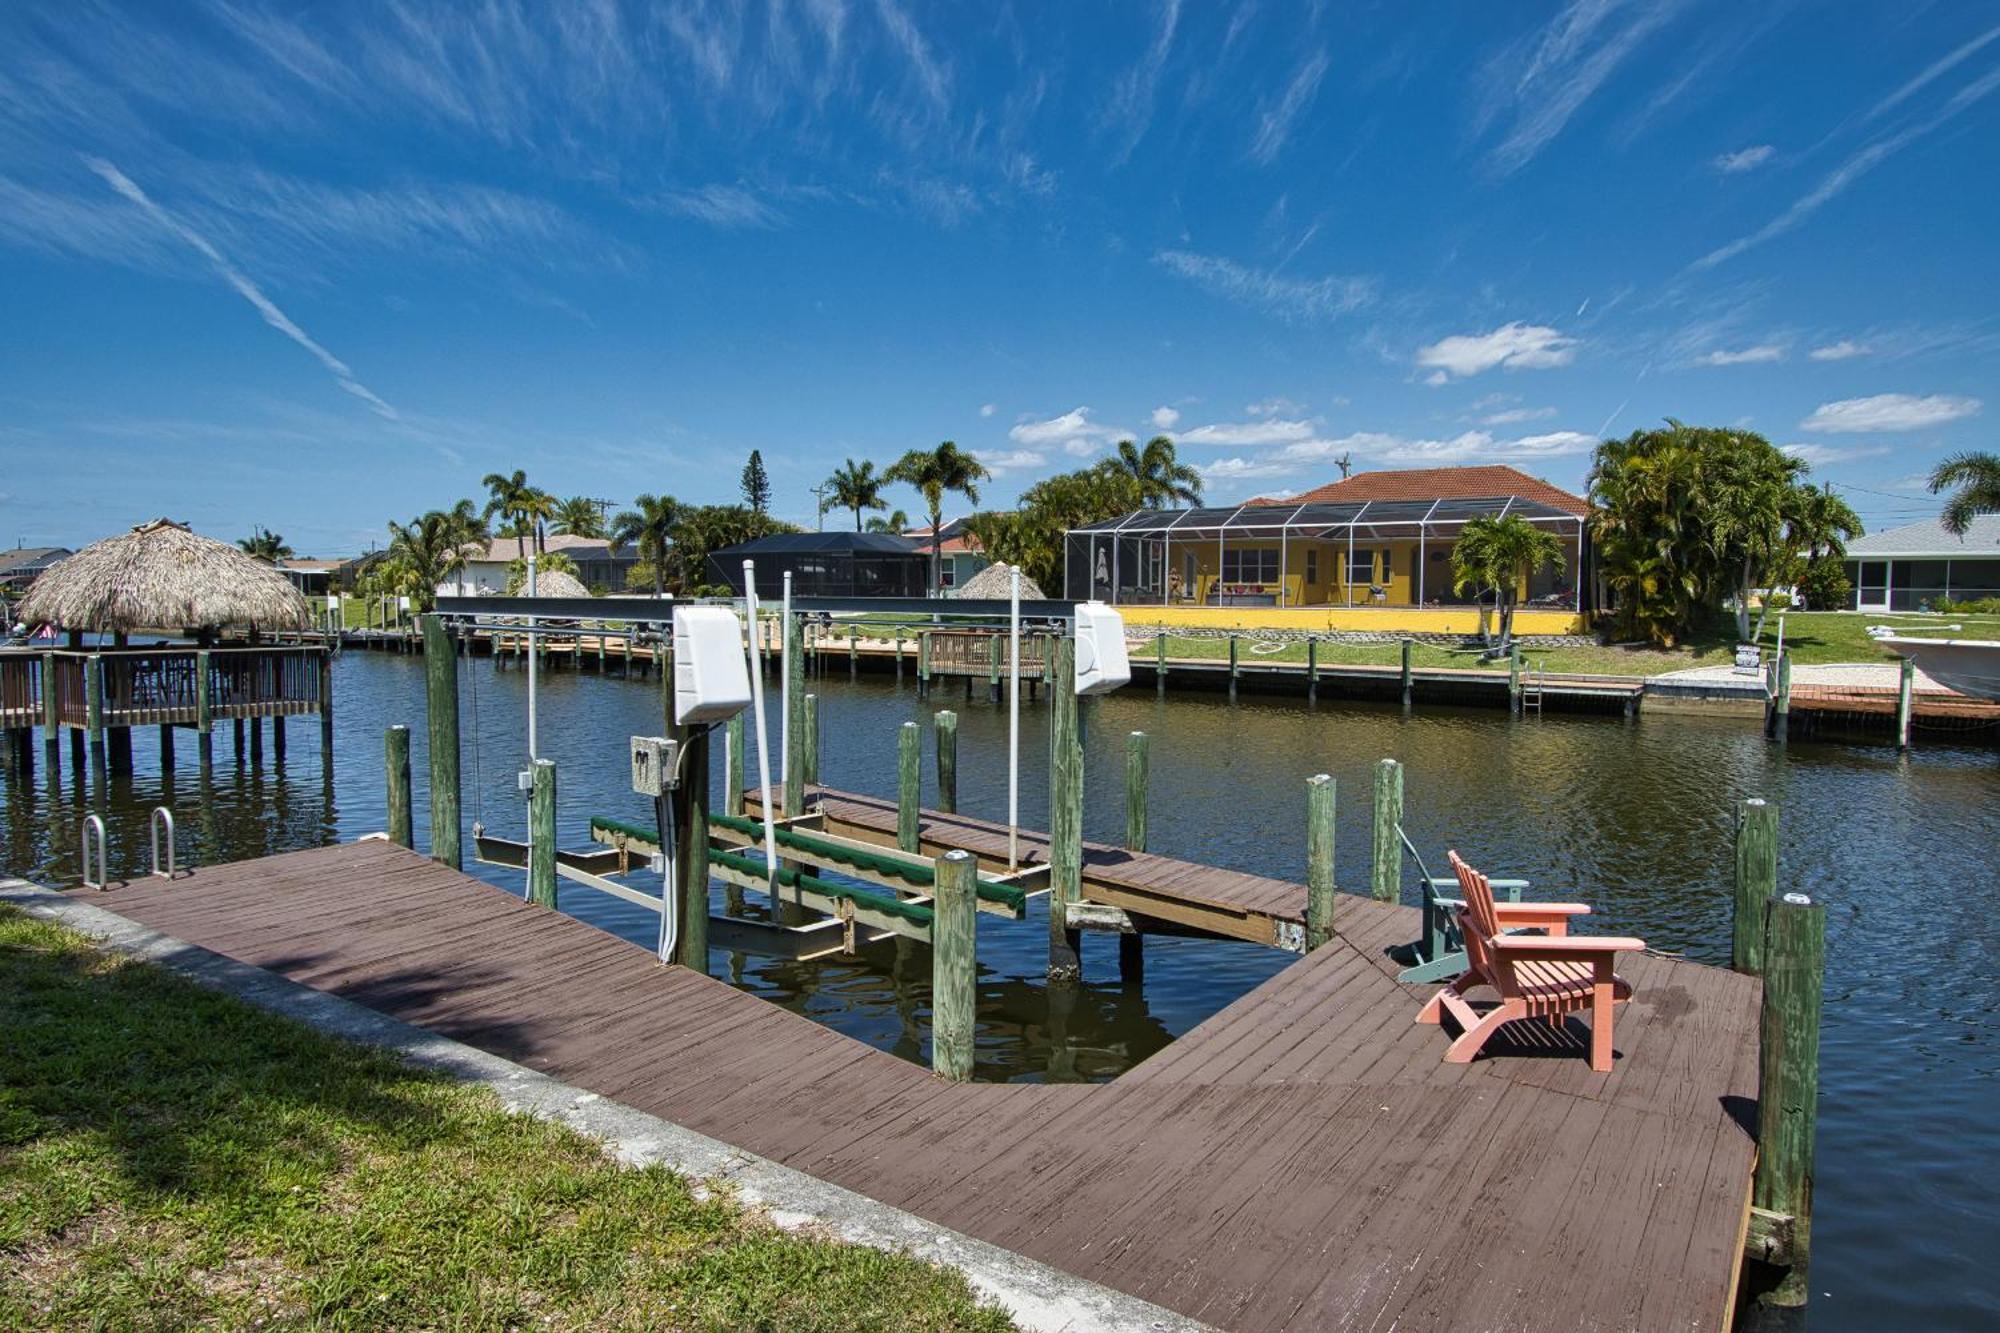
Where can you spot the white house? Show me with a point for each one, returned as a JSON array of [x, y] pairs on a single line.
[[1920, 564], [487, 573]]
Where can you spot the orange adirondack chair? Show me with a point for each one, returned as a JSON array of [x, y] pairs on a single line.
[[1537, 976]]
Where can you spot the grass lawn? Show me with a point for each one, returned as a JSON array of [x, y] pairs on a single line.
[[170, 1156]]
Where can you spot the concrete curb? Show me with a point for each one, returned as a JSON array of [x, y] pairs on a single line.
[[1036, 1295]]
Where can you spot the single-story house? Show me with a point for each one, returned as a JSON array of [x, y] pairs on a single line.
[[314, 578], [22, 565], [486, 574], [959, 554], [1919, 564], [826, 564], [1376, 539]]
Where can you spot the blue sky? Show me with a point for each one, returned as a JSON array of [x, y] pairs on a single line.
[[318, 266]]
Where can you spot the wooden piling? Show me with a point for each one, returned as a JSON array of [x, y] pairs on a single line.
[[732, 799], [1233, 668], [1319, 860], [542, 833], [326, 706], [441, 706], [118, 748], [93, 709], [1514, 680], [899, 657], [923, 664], [236, 734], [691, 843], [396, 774], [947, 760], [1138, 778], [1788, 1083], [1312, 671], [1160, 661], [1905, 690], [1781, 703], [954, 965], [809, 739], [1756, 881], [853, 653], [1387, 881], [1065, 812], [52, 713], [795, 718], [993, 643], [1407, 645], [278, 738], [167, 750], [909, 787]]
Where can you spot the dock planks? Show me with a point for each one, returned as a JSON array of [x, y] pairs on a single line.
[[1302, 1159]]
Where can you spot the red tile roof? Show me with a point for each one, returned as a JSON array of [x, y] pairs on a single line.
[[1489, 482]]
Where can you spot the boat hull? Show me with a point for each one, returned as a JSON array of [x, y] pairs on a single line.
[[1969, 666]]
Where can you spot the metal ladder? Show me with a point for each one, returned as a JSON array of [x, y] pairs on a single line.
[[1531, 691]]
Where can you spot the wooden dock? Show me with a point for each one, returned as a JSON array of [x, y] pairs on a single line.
[[1302, 1159]]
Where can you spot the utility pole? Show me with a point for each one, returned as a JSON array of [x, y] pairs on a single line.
[[819, 502]]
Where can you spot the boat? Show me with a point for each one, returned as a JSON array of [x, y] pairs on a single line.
[[1969, 666]]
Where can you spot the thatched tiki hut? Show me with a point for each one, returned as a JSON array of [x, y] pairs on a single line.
[[161, 576]]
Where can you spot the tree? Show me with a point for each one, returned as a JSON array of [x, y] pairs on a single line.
[[579, 516], [265, 545], [709, 528], [1032, 535], [1977, 477], [897, 522], [1164, 480], [933, 472], [524, 506], [1500, 554], [756, 484], [428, 550], [856, 486], [1821, 525], [649, 526]]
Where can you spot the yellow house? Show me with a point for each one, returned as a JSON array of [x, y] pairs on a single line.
[[1370, 551]]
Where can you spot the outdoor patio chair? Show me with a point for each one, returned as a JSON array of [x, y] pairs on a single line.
[[1536, 976]]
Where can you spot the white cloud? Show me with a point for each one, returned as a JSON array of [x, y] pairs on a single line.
[[1275, 407], [988, 409], [1074, 431], [1761, 354], [1002, 461], [248, 290], [1744, 159], [1514, 415], [1165, 417], [1889, 412], [1514, 346], [1302, 300], [1271, 430], [1274, 125], [1843, 350], [1823, 455]]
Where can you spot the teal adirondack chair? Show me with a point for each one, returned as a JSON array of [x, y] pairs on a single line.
[[1439, 955]]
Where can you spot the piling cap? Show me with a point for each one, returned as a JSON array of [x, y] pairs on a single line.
[[958, 854], [1799, 899]]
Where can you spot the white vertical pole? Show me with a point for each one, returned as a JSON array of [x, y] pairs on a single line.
[[533, 673], [763, 742], [1014, 719], [785, 687]]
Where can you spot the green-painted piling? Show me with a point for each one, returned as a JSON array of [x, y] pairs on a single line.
[[1788, 1084], [542, 833], [93, 708], [1387, 880], [691, 840], [1138, 776], [795, 719], [732, 799], [441, 699], [1065, 811], [947, 761], [1781, 703], [909, 787], [954, 964], [1514, 680], [1319, 860], [809, 739], [1756, 881], [396, 775]]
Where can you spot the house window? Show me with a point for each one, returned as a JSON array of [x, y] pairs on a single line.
[[1361, 567], [1252, 566], [1388, 563], [1312, 564], [947, 572]]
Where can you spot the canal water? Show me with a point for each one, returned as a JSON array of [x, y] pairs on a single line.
[[1633, 817]]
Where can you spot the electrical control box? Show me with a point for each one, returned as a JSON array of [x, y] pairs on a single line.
[[711, 675], [654, 770], [1102, 664]]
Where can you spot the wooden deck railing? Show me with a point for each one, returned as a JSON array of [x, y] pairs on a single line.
[[20, 688], [973, 653], [166, 686]]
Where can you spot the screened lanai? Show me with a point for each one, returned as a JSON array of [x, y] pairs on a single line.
[[1394, 553]]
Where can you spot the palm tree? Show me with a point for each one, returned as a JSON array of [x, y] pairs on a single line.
[[265, 545], [1499, 555], [579, 516], [1977, 476], [897, 521], [429, 549], [1163, 479], [855, 486], [649, 525], [933, 472], [526, 506]]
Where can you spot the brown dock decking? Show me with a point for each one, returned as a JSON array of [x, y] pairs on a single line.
[[1302, 1159]]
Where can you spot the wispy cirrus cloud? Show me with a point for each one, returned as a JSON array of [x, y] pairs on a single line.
[[1890, 412], [1274, 123], [1942, 65], [1302, 300], [1133, 93], [1744, 159], [1760, 354], [719, 205], [1402, 450], [265, 307], [1269, 430], [1000, 462], [1826, 455], [1512, 346], [1844, 350]]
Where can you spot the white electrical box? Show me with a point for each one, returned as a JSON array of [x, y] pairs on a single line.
[[654, 770], [1102, 664], [711, 679]]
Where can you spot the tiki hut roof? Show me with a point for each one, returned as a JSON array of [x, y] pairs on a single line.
[[993, 582], [162, 576], [557, 583]]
